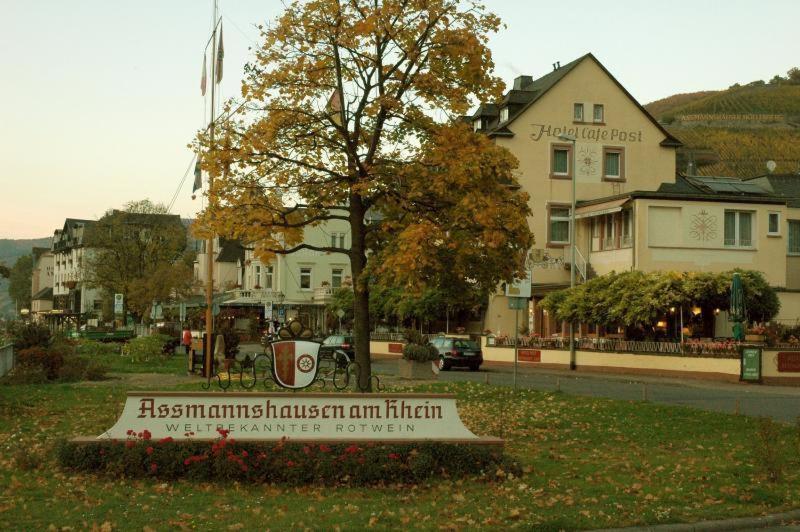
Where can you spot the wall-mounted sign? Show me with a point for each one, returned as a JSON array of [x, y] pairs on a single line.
[[118, 300], [272, 416], [789, 362], [268, 310], [530, 355], [585, 133]]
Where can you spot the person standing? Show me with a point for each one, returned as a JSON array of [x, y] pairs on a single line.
[[186, 339]]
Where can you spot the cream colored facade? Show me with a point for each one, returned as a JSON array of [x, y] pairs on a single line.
[[298, 285], [633, 212]]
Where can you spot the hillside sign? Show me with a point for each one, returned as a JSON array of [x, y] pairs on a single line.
[[307, 416]]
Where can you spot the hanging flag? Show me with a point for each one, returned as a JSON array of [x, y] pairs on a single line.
[[220, 55], [334, 107], [198, 176], [203, 79]]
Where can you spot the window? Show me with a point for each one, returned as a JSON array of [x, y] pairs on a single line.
[[613, 164], [559, 225], [598, 113], [627, 218], [774, 225], [337, 240], [476, 125], [738, 228], [258, 276], [268, 277], [794, 237], [609, 238], [577, 112], [560, 161], [305, 278], [595, 227], [503, 114], [336, 277]]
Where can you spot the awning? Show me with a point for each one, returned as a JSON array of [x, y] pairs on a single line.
[[598, 209]]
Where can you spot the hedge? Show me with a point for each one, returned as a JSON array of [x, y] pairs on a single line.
[[281, 462]]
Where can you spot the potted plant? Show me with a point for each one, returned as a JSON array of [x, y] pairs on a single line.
[[419, 357]]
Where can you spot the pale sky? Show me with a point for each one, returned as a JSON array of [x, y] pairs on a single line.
[[99, 98]]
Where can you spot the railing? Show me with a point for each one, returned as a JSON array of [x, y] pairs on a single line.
[[255, 295], [721, 349], [6, 359], [323, 294]]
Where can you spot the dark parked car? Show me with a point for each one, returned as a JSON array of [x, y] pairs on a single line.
[[458, 352], [339, 342]]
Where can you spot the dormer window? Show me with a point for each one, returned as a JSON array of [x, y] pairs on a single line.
[[577, 112], [504, 115]]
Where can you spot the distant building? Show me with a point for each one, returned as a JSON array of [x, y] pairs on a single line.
[[42, 282], [297, 286], [71, 296]]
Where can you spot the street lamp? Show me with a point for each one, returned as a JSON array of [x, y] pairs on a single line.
[[572, 167]]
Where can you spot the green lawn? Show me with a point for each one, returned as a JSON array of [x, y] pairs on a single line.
[[588, 463]]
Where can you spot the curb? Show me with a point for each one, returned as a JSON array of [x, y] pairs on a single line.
[[743, 523]]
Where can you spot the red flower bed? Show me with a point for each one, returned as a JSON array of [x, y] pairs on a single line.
[[280, 462]]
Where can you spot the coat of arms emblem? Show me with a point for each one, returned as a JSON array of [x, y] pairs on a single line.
[[295, 359], [295, 363]]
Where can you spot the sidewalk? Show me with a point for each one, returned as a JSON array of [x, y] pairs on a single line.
[[784, 521]]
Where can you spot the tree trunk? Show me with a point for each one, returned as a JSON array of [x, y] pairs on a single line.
[[361, 328]]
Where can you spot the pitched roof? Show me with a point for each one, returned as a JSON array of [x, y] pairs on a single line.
[[230, 250], [44, 293], [532, 92], [783, 185]]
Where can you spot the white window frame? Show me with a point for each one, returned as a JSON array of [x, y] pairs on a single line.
[[602, 109], [257, 276], [737, 242], [552, 218], [503, 114], [553, 151], [777, 231], [333, 277], [626, 238], [268, 276], [310, 277], [575, 115], [789, 251], [477, 125]]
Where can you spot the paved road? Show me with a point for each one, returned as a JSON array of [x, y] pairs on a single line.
[[779, 402]]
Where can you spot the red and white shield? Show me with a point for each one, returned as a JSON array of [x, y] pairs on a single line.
[[295, 363]]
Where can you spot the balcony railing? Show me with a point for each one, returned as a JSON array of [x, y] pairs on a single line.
[[255, 295]]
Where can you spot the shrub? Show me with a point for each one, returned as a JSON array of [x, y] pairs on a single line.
[[282, 462], [26, 375], [146, 348], [92, 348], [49, 361], [30, 335], [420, 353]]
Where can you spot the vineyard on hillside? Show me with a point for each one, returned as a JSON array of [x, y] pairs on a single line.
[[735, 132], [739, 152]]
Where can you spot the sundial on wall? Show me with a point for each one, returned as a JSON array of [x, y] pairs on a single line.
[[588, 162], [704, 226]]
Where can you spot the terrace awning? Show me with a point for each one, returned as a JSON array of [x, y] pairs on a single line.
[[599, 209]]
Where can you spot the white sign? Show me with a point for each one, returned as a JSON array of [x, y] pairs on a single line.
[[520, 287], [268, 310], [117, 303], [295, 363], [272, 416]]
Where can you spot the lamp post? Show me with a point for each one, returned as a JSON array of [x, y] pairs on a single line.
[[572, 168]]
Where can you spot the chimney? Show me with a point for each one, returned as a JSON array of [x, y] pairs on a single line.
[[520, 82]]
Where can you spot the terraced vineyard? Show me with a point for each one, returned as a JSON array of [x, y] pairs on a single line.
[[736, 131]]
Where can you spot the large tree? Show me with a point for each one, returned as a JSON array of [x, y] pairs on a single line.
[[351, 112], [19, 282], [140, 252]]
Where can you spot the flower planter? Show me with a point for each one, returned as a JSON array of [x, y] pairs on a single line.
[[754, 338], [412, 369]]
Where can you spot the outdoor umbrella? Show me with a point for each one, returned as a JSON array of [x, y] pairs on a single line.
[[737, 311]]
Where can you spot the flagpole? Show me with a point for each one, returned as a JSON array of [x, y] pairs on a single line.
[[210, 241]]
